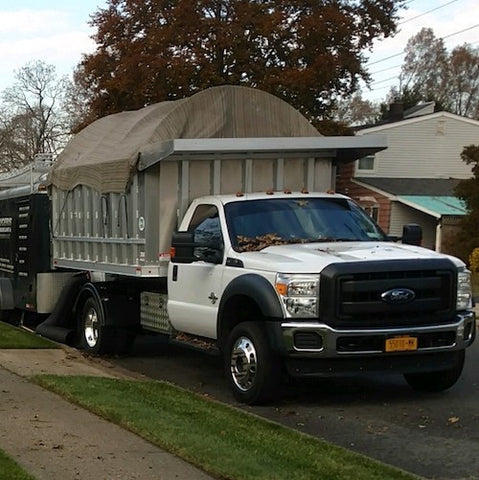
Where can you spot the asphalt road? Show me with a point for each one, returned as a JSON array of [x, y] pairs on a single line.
[[432, 435]]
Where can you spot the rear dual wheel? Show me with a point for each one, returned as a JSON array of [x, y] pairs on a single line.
[[96, 337], [94, 334]]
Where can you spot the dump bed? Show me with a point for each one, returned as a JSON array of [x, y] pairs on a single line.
[[123, 184]]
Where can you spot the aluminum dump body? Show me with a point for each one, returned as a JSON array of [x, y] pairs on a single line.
[[129, 233], [123, 183]]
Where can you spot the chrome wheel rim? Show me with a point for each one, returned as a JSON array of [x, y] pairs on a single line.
[[91, 328], [244, 364]]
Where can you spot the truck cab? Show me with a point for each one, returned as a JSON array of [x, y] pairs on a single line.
[[308, 285]]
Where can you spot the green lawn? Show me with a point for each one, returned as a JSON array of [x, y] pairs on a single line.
[[222, 440], [13, 337], [9, 470]]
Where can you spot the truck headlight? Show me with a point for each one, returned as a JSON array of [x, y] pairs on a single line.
[[464, 290], [299, 293]]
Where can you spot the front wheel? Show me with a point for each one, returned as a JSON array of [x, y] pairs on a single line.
[[252, 368], [437, 381]]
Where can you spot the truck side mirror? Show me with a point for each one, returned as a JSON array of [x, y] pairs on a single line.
[[182, 247], [412, 234]]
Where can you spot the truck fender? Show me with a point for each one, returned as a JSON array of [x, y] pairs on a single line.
[[89, 290], [116, 309], [7, 300], [255, 287]]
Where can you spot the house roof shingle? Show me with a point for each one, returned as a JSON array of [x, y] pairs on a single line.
[[412, 186]]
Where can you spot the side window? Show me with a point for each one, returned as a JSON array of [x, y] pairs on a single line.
[[205, 223], [366, 163]]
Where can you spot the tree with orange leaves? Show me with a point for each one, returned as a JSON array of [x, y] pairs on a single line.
[[306, 52]]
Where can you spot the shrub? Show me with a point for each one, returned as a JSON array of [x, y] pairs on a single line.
[[474, 260]]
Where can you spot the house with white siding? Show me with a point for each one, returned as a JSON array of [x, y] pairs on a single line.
[[413, 180]]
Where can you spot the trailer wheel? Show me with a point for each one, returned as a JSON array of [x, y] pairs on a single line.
[[437, 381], [94, 334], [252, 368]]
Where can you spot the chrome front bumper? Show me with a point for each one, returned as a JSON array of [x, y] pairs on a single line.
[[318, 340]]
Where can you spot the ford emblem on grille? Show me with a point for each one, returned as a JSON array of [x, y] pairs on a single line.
[[398, 295]]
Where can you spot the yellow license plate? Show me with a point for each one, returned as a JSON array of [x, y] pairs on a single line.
[[401, 344]]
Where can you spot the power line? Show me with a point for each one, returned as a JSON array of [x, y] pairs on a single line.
[[385, 80], [377, 84], [461, 31], [425, 13], [446, 36], [386, 58], [386, 69]]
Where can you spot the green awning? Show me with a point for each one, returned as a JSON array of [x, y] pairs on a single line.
[[437, 206]]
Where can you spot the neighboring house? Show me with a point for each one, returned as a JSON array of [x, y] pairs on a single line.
[[413, 180]]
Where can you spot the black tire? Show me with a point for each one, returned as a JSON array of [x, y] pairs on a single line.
[[252, 368], [439, 380], [95, 337], [98, 339]]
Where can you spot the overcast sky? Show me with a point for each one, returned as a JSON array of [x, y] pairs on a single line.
[[57, 32], [54, 31]]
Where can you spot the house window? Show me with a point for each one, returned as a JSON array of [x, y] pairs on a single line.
[[366, 163], [372, 211], [370, 206]]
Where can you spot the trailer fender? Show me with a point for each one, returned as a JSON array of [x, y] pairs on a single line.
[[7, 299], [253, 287]]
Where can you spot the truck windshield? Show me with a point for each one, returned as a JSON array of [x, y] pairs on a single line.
[[257, 224]]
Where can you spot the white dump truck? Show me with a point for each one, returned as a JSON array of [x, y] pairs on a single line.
[[212, 220]]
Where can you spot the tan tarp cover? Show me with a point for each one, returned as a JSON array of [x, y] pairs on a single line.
[[104, 154]]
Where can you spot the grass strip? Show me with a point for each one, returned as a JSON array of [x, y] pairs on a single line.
[[14, 337], [10, 470], [224, 441]]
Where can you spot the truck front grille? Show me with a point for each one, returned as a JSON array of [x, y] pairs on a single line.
[[352, 293]]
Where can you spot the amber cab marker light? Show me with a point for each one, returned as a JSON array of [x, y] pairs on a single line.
[[172, 252]]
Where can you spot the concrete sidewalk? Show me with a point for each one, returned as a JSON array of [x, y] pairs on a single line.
[[56, 440]]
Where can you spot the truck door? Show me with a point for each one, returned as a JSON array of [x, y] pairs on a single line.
[[194, 288]]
